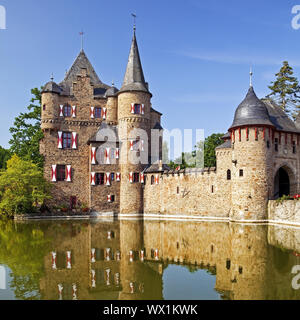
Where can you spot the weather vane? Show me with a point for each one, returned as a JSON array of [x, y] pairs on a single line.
[[134, 21], [81, 35]]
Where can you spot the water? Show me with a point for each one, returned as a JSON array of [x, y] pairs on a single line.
[[135, 259]]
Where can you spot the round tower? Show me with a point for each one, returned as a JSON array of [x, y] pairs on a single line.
[[112, 105], [50, 106], [133, 114], [252, 132]]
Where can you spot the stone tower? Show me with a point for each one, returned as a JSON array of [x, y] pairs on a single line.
[[252, 135], [133, 115]]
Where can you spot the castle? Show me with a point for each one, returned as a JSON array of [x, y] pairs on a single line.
[[258, 161]]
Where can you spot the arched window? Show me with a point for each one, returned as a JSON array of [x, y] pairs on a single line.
[[228, 174], [152, 179]]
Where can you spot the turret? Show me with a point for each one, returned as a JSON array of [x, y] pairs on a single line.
[[50, 103], [251, 135], [133, 113]]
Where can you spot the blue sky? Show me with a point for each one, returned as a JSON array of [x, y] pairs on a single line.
[[195, 54]]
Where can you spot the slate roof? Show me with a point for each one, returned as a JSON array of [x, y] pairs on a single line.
[[52, 87], [111, 92], [226, 144], [251, 111], [154, 167], [279, 118], [158, 126], [134, 77]]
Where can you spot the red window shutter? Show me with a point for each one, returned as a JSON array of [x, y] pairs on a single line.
[[247, 133], [61, 110], [74, 140], [157, 179], [117, 153], [107, 178], [107, 155], [93, 155], [132, 108], [73, 111], [92, 112], [142, 178], [59, 140], [53, 173], [131, 177], [53, 260], [256, 134], [118, 176], [109, 198], [104, 113], [69, 260], [93, 178], [131, 145], [68, 173]]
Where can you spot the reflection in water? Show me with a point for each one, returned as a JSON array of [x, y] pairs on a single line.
[[135, 259]]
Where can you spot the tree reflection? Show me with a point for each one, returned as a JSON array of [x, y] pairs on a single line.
[[23, 248]]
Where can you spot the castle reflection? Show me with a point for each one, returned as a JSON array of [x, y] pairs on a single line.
[[127, 259]]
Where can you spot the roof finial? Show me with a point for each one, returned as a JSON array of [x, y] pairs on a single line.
[[81, 35], [251, 74], [113, 83], [134, 21], [52, 77]]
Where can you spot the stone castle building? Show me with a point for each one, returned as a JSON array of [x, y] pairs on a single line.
[[258, 161]]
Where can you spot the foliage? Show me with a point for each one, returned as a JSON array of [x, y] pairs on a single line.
[[210, 144], [4, 156], [27, 133], [285, 90], [22, 187], [283, 198]]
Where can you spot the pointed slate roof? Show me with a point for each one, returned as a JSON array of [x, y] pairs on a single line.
[[51, 86], [81, 62], [134, 77], [251, 111]]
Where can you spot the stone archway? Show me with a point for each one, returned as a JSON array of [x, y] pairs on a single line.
[[284, 182]]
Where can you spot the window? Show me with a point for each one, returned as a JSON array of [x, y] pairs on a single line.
[[44, 107], [136, 144], [61, 173], [212, 189], [152, 179], [294, 147], [136, 177], [97, 112], [268, 144], [228, 264], [228, 175], [137, 109], [241, 172], [112, 176], [112, 198], [177, 190], [67, 111], [67, 140], [276, 144], [99, 178]]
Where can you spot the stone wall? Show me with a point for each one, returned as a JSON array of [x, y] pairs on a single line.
[[287, 211], [193, 192]]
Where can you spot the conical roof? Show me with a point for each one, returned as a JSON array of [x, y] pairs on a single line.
[[53, 87], [134, 77], [81, 62], [251, 111]]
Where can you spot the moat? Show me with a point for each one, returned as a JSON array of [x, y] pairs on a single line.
[[136, 259]]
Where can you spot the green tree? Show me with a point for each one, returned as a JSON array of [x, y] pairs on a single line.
[[285, 90], [210, 144], [22, 187], [4, 156], [26, 131]]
